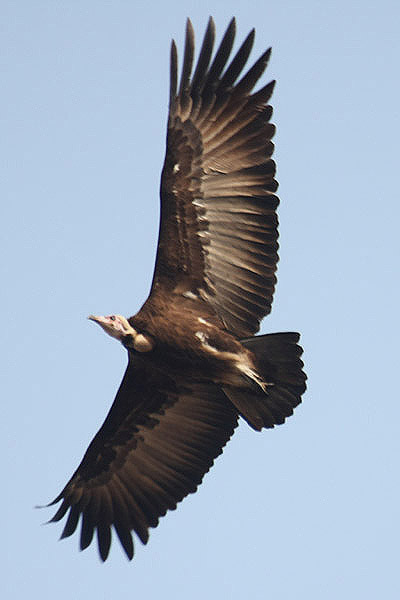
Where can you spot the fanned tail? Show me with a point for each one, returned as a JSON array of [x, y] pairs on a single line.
[[277, 357]]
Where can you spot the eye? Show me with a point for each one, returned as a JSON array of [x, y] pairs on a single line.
[[112, 318]]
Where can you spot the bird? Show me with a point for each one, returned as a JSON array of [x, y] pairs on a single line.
[[195, 364]]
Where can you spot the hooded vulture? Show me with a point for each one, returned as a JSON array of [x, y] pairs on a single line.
[[194, 363]]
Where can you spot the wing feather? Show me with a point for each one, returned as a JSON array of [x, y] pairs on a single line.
[[238, 63], [220, 59], [154, 448], [173, 76], [218, 202], [204, 58]]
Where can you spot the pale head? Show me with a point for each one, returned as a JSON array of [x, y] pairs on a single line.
[[120, 329], [115, 325]]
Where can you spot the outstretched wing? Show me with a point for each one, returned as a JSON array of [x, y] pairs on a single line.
[[218, 231], [157, 442]]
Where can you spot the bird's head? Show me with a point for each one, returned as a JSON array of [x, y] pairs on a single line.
[[119, 328]]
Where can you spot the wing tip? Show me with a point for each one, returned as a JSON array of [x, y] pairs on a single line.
[[189, 29]]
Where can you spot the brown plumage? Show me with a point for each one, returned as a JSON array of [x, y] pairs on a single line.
[[193, 365]]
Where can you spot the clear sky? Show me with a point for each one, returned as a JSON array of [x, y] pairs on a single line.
[[309, 510]]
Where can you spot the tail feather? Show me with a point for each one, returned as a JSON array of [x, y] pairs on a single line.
[[277, 358]]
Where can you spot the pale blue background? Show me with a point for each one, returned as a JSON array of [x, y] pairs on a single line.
[[309, 510]]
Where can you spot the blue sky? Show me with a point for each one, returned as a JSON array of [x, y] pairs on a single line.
[[309, 510]]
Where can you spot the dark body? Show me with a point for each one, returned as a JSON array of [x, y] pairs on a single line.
[[195, 364], [175, 329]]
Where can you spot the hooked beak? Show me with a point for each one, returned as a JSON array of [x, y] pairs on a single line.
[[109, 325], [104, 322], [96, 319]]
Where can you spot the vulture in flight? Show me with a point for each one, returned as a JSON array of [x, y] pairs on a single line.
[[195, 364]]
